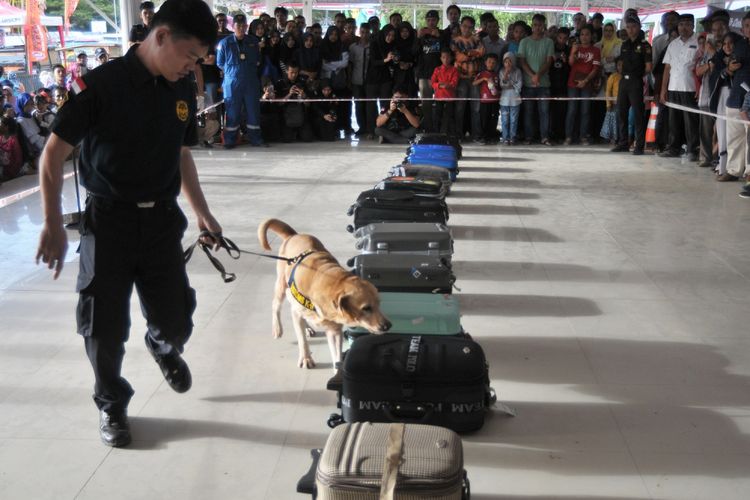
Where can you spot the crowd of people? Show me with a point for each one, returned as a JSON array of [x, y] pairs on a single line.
[[277, 79]]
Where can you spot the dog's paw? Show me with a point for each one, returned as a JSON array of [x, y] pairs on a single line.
[[310, 332], [278, 332], [306, 362]]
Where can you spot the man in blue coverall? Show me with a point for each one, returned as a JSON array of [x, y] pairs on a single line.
[[238, 57]]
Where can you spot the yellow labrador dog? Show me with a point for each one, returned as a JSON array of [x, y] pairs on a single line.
[[321, 292]]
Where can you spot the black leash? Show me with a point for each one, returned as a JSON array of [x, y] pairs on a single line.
[[232, 250]]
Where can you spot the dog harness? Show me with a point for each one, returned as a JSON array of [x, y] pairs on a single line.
[[298, 296]]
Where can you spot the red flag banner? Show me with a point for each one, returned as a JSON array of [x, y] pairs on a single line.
[[70, 8], [35, 34]]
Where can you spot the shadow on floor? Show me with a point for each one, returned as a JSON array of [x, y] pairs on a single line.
[[526, 305], [503, 233], [456, 208], [311, 397], [510, 195], [496, 159], [496, 170], [534, 271], [490, 181], [156, 433]]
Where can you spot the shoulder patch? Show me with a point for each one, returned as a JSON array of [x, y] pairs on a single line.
[[78, 85]]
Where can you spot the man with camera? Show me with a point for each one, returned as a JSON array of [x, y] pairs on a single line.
[[294, 112], [399, 122]]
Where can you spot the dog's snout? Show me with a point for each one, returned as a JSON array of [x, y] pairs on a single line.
[[385, 326]]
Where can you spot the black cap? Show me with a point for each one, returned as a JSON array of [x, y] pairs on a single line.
[[239, 18], [687, 17], [147, 5], [82, 54], [100, 52], [718, 14], [432, 13], [598, 15]]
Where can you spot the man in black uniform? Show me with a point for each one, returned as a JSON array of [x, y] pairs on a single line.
[[139, 32], [134, 118], [635, 54]]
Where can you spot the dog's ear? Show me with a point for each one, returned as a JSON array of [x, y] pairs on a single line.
[[343, 305]]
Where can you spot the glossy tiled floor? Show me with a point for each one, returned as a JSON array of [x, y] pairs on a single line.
[[611, 294]]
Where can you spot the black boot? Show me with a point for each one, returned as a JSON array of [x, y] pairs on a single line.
[[114, 428], [174, 369]]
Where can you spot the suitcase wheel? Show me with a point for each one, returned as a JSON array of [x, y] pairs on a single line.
[[350, 262], [335, 420], [350, 228]]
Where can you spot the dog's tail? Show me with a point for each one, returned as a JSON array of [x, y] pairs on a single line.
[[281, 228]]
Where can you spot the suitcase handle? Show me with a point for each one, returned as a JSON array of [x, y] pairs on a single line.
[[399, 412], [306, 484]]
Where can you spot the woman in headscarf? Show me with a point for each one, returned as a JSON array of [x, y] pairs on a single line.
[[308, 57], [271, 55], [383, 51], [403, 73], [335, 62], [287, 50]]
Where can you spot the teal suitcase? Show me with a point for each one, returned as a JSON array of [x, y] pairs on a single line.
[[417, 314]]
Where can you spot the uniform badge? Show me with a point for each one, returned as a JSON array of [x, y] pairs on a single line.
[[182, 111], [242, 57], [637, 48]]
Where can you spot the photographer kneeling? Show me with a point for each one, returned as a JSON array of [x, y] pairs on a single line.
[[398, 124]]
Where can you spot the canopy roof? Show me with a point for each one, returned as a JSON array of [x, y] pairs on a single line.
[[13, 16]]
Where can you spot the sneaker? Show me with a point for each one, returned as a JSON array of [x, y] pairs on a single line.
[[114, 429], [745, 194], [637, 152], [619, 149], [174, 369], [567, 142], [705, 164], [527, 142], [545, 142], [585, 142], [727, 178], [381, 139]]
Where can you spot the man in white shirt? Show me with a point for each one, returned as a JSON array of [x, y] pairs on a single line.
[[678, 87]]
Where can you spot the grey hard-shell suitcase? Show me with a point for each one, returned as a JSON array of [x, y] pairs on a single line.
[[424, 238], [424, 171], [408, 273], [370, 461]]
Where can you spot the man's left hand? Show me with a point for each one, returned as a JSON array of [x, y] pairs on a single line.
[[209, 223]]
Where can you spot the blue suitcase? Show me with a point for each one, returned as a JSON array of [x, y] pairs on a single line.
[[431, 150]]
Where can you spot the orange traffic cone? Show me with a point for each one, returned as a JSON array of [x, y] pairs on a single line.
[[651, 129]]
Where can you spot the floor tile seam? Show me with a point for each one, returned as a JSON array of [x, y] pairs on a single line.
[[633, 461], [93, 473]]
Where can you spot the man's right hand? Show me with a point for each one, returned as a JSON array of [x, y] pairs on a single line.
[[53, 245], [663, 97]]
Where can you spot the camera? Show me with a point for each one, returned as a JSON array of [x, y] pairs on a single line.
[[333, 115], [399, 105], [396, 56]]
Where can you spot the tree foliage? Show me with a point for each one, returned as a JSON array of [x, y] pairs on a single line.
[[84, 14]]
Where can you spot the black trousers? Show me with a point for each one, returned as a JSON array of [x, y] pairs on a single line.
[[683, 125], [123, 246], [366, 111], [443, 117], [488, 116], [630, 93], [707, 125]]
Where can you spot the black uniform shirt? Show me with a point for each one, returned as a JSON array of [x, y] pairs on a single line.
[[133, 126], [138, 33], [635, 56]]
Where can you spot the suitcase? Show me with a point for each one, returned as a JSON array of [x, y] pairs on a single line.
[[417, 314], [427, 379], [433, 148], [405, 238], [371, 461], [451, 165], [442, 154], [420, 186], [407, 273], [439, 138], [377, 205], [421, 171]]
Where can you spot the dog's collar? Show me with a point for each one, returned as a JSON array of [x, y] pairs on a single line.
[[298, 296]]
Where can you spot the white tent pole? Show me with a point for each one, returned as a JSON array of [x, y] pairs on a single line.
[[307, 11], [585, 8], [443, 15], [270, 6], [129, 15]]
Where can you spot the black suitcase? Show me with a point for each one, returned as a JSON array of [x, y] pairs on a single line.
[[407, 273], [434, 380], [439, 138], [420, 186], [380, 205]]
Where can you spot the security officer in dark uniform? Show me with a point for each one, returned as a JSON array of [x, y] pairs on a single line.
[[139, 32], [134, 118], [635, 54]]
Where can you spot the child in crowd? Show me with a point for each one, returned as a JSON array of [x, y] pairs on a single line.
[[43, 116], [745, 115], [11, 156], [609, 127], [29, 128], [444, 83], [511, 82], [489, 95]]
